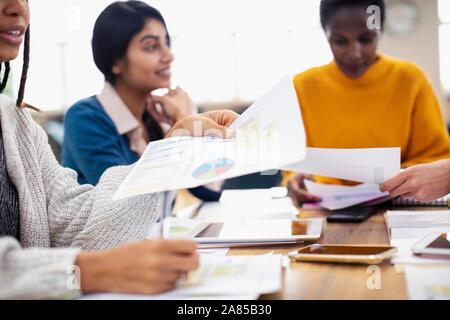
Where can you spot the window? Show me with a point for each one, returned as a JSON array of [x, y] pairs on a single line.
[[225, 51], [444, 43]]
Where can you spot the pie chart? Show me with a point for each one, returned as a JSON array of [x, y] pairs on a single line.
[[213, 168]]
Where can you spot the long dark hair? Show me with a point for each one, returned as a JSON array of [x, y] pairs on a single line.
[[113, 31]]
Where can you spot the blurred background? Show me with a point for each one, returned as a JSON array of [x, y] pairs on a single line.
[[227, 53]]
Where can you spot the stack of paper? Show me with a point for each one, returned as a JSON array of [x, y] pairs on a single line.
[[336, 197], [225, 278], [406, 228], [416, 224]]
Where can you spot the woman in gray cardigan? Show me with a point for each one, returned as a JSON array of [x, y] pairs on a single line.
[[59, 238]]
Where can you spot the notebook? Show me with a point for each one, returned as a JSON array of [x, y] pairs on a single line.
[[441, 202]]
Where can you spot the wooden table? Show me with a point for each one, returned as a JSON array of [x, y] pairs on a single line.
[[305, 280]]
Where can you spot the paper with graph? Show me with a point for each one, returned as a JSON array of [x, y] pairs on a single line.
[[234, 274], [270, 134], [220, 278]]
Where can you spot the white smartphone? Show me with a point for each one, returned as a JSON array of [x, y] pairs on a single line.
[[433, 245]]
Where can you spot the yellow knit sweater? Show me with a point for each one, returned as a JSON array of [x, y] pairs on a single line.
[[391, 105]]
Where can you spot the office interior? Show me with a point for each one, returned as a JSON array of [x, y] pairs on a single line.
[[227, 53]]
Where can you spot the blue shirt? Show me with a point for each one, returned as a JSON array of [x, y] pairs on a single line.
[[92, 143]]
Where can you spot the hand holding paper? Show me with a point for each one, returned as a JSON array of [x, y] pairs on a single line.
[[371, 165], [213, 123], [269, 135]]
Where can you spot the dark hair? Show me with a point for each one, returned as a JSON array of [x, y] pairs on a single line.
[[329, 7], [23, 79], [113, 31]]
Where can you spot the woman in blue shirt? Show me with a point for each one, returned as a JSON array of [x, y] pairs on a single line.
[[131, 47]]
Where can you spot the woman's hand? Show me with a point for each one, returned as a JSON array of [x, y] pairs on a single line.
[[144, 267], [213, 123], [175, 105], [297, 189], [424, 182]]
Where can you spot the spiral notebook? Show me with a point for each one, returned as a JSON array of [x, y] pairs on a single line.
[[441, 202]]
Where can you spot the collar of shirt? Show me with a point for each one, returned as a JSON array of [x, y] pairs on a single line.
[[124, 120]]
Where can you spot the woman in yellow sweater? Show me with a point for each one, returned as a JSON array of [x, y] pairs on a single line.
[[363, 99]]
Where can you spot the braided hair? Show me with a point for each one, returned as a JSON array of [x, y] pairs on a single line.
[[5, 77], [23, 78]]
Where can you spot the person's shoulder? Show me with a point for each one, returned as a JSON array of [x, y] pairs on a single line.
[[86, 105], [13, 114], [87, 111], [405, 68], [312, 74]]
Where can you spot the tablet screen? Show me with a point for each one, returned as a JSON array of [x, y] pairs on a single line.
[[441, 242], [248, 229], [255, 228]]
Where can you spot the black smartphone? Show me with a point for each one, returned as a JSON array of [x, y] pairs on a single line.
[[356, 214]]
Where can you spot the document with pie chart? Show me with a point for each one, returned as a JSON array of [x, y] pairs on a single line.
[[269, 135]]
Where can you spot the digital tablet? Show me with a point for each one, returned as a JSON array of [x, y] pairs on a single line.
[[254, 231], [435, 244]]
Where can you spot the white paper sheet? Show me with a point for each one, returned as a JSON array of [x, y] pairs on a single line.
[[428, 283], [171, 296], [270, 134], [233, 274], [278, 209], [371, 165], [338, 196], [249, 204], [220, 278]]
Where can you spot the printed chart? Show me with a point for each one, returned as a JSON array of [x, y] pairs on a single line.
[[213, 168]]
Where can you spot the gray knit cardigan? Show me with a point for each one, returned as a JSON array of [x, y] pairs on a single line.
[[59, 217]]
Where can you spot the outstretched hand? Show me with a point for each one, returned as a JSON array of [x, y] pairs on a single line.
[[424, 182]]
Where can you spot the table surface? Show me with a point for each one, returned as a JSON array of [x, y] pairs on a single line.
[[318, 280]]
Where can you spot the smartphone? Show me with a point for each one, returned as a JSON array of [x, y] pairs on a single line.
[[433, 245], [356, 214], [343, 253]]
